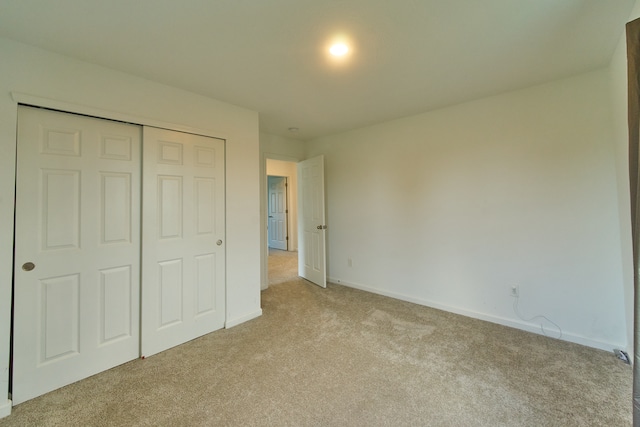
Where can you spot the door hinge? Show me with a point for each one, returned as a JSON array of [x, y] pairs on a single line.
[[287, 238], [286, 211]]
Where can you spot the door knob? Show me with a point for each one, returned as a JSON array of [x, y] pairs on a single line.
[[28, 266], [219, 242], [321, 227]]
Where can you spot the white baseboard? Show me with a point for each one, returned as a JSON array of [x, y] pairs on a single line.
[[5, 409], [518, 324], [238, 320]]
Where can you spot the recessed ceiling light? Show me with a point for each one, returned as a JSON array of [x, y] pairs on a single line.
[[339, 49]]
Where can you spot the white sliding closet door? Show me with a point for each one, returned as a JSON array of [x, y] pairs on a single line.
[[77, 249], [183, 277]]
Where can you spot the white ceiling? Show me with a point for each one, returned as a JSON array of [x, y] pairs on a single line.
[[409, 56]]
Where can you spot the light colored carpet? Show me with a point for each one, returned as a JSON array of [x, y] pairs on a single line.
[[342, 357], [283, 266]]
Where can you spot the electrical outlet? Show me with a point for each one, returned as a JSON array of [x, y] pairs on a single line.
[[349, 262], [515, 291]]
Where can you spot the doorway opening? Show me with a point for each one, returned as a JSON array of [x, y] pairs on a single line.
[[282, 221], [278, 212]]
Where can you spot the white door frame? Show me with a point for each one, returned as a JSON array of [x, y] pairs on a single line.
[[264, 238], [69, 107]]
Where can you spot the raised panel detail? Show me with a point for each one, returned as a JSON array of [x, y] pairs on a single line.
[[205, 157], [115, 310], [205, 204], [272, 229], [169, 153], [115, 207], [115, 147], [61, 209], [60, 317], [170, 206], [315, 238], [281, 202], [308, 254], [170, 292], [280, 227], [316, 198], [205, 283], [272, 203], [61, 142]]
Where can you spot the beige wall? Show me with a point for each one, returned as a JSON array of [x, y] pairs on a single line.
[[618, 81], [96, 90], [453, 207]]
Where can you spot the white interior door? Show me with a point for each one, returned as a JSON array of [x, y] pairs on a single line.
[[77, 249], [312, 263], [277, 212], [183, 275]]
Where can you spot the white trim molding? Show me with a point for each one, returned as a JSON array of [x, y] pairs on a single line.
[[5, 409], [37, 101], [238, 320], [517, 324]]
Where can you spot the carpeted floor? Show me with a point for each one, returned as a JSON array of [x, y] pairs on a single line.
[[343, 357], [283, 266]]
